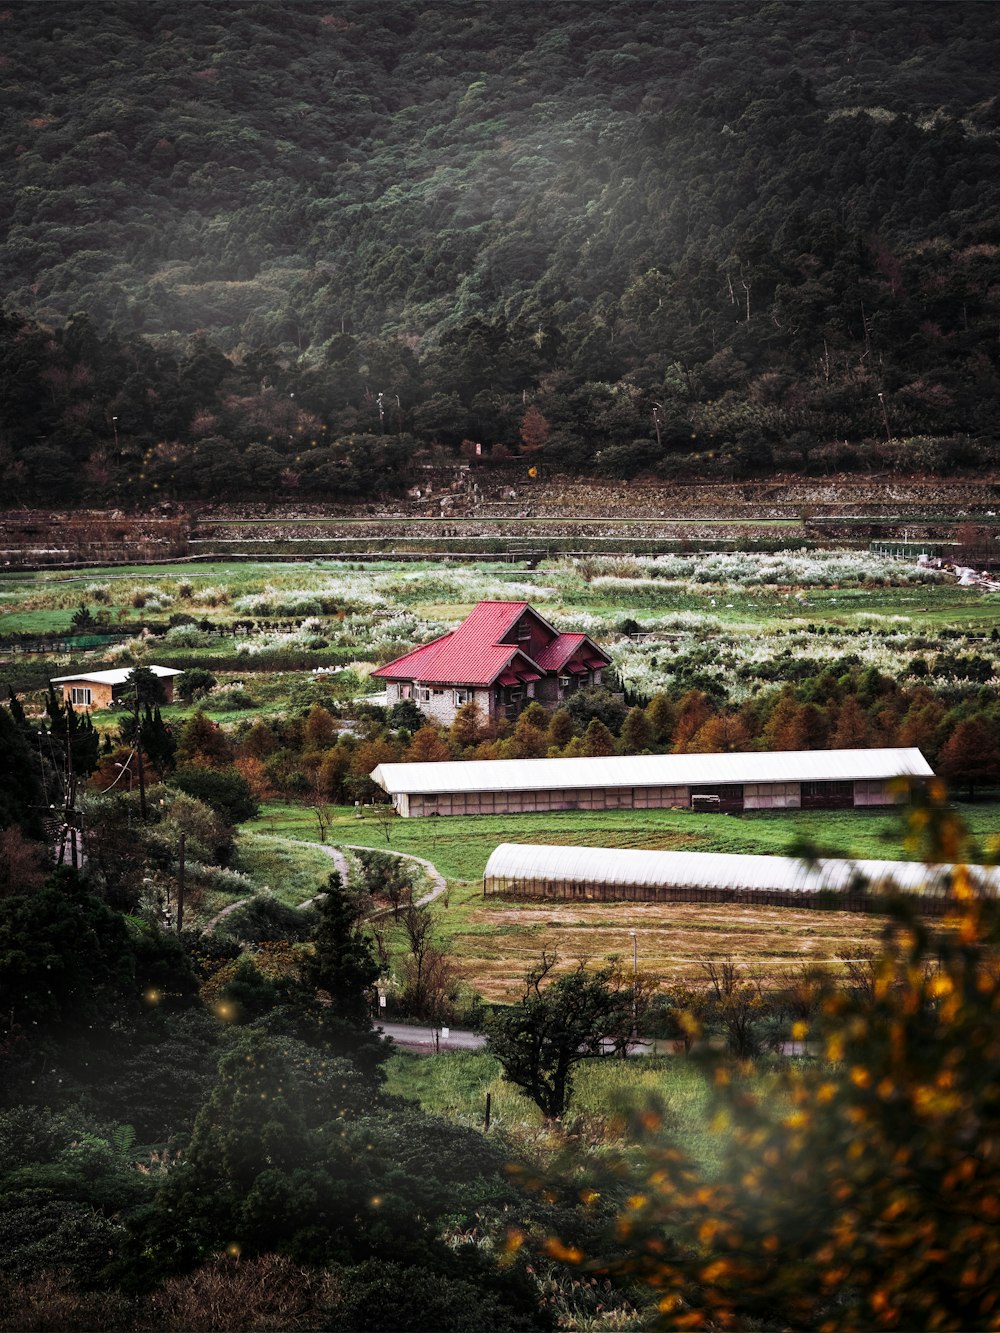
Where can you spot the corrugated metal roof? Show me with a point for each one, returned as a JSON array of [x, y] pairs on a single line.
[[714, 870], [472, 654], [115, 676], [651, 770]]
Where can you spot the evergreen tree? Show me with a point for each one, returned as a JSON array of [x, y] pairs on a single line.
[[342, 963]]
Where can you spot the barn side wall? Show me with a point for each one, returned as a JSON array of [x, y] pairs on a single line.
[[749, 796]]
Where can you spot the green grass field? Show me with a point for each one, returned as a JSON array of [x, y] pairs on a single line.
[[494, 941], [460, 847], [454, 1084]]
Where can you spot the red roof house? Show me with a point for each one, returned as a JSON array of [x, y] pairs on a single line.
[[503, 655]]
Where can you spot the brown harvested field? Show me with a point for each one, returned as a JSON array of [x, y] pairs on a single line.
[[496, 944]]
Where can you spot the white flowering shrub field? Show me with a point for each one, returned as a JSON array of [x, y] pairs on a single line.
[[727, 621]]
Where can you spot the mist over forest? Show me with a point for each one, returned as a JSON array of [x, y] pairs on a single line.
[[709, 239]]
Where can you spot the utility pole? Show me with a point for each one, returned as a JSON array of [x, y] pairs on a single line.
[[180, 884], [70, 807], [138, 751], [635, 983], [885, 417]]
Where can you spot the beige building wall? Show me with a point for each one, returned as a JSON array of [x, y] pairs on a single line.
[[100, 694], [772, 796], [440, 703], [876, 792]]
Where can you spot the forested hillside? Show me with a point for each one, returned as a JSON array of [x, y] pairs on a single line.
[[648, 235]]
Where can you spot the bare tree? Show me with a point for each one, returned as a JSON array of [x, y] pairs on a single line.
[[738, 1003]]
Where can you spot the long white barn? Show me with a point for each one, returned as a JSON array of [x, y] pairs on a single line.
[[781, 780], [603, 874]]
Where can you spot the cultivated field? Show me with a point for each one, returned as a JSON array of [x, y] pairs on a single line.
[[735, 620], [496, 940], [735, 623]]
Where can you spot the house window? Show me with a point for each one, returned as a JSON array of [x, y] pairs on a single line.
[[79, 695], [524, 631], [422, 693], [462, 697]]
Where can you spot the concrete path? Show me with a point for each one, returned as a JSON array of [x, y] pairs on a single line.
[[436, 878], [340, 865]]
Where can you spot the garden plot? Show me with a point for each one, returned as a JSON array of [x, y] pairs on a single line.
[[726, 621]]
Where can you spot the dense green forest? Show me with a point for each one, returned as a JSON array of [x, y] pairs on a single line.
[[720, 238]]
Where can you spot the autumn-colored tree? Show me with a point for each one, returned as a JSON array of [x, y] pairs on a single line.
[[795, 726], [693, 711], [203, 742], [723, 734], [528, 741], [662, 713], [853, 730], [256, 775], [333, 770], [468, 727], [365, 759], [597, 740], [970, 755], [923, 723], [561, 729], [534, 431], [427, 747], [259, 742], [320, 729]]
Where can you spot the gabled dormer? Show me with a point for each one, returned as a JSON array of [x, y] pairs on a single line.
[[530, 632]]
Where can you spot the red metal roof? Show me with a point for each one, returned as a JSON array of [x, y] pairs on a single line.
[[557, 653], [472, 654]]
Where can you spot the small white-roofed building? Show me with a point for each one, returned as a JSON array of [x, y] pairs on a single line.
[[728, 783], [101, 689], [606, 874]]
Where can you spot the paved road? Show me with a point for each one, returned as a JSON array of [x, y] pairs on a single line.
[[422, 1038], [461, 1039]]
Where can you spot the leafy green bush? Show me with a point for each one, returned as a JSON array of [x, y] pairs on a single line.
[[263, 917]]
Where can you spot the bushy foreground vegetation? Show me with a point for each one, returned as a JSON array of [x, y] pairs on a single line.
[[197, 1119]]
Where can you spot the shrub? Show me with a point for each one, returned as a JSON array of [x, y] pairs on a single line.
[[225, 790], [263, 917], [194, 682]]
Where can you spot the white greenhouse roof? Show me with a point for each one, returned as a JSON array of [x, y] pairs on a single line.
[[714, 870], [651, 770], [115, 676]]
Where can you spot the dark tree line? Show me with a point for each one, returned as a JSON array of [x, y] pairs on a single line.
[[314, 246]]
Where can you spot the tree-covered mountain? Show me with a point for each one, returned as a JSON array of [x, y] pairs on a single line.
[[732, 230]]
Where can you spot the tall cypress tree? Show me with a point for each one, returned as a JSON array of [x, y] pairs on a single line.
[[342, 964]]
